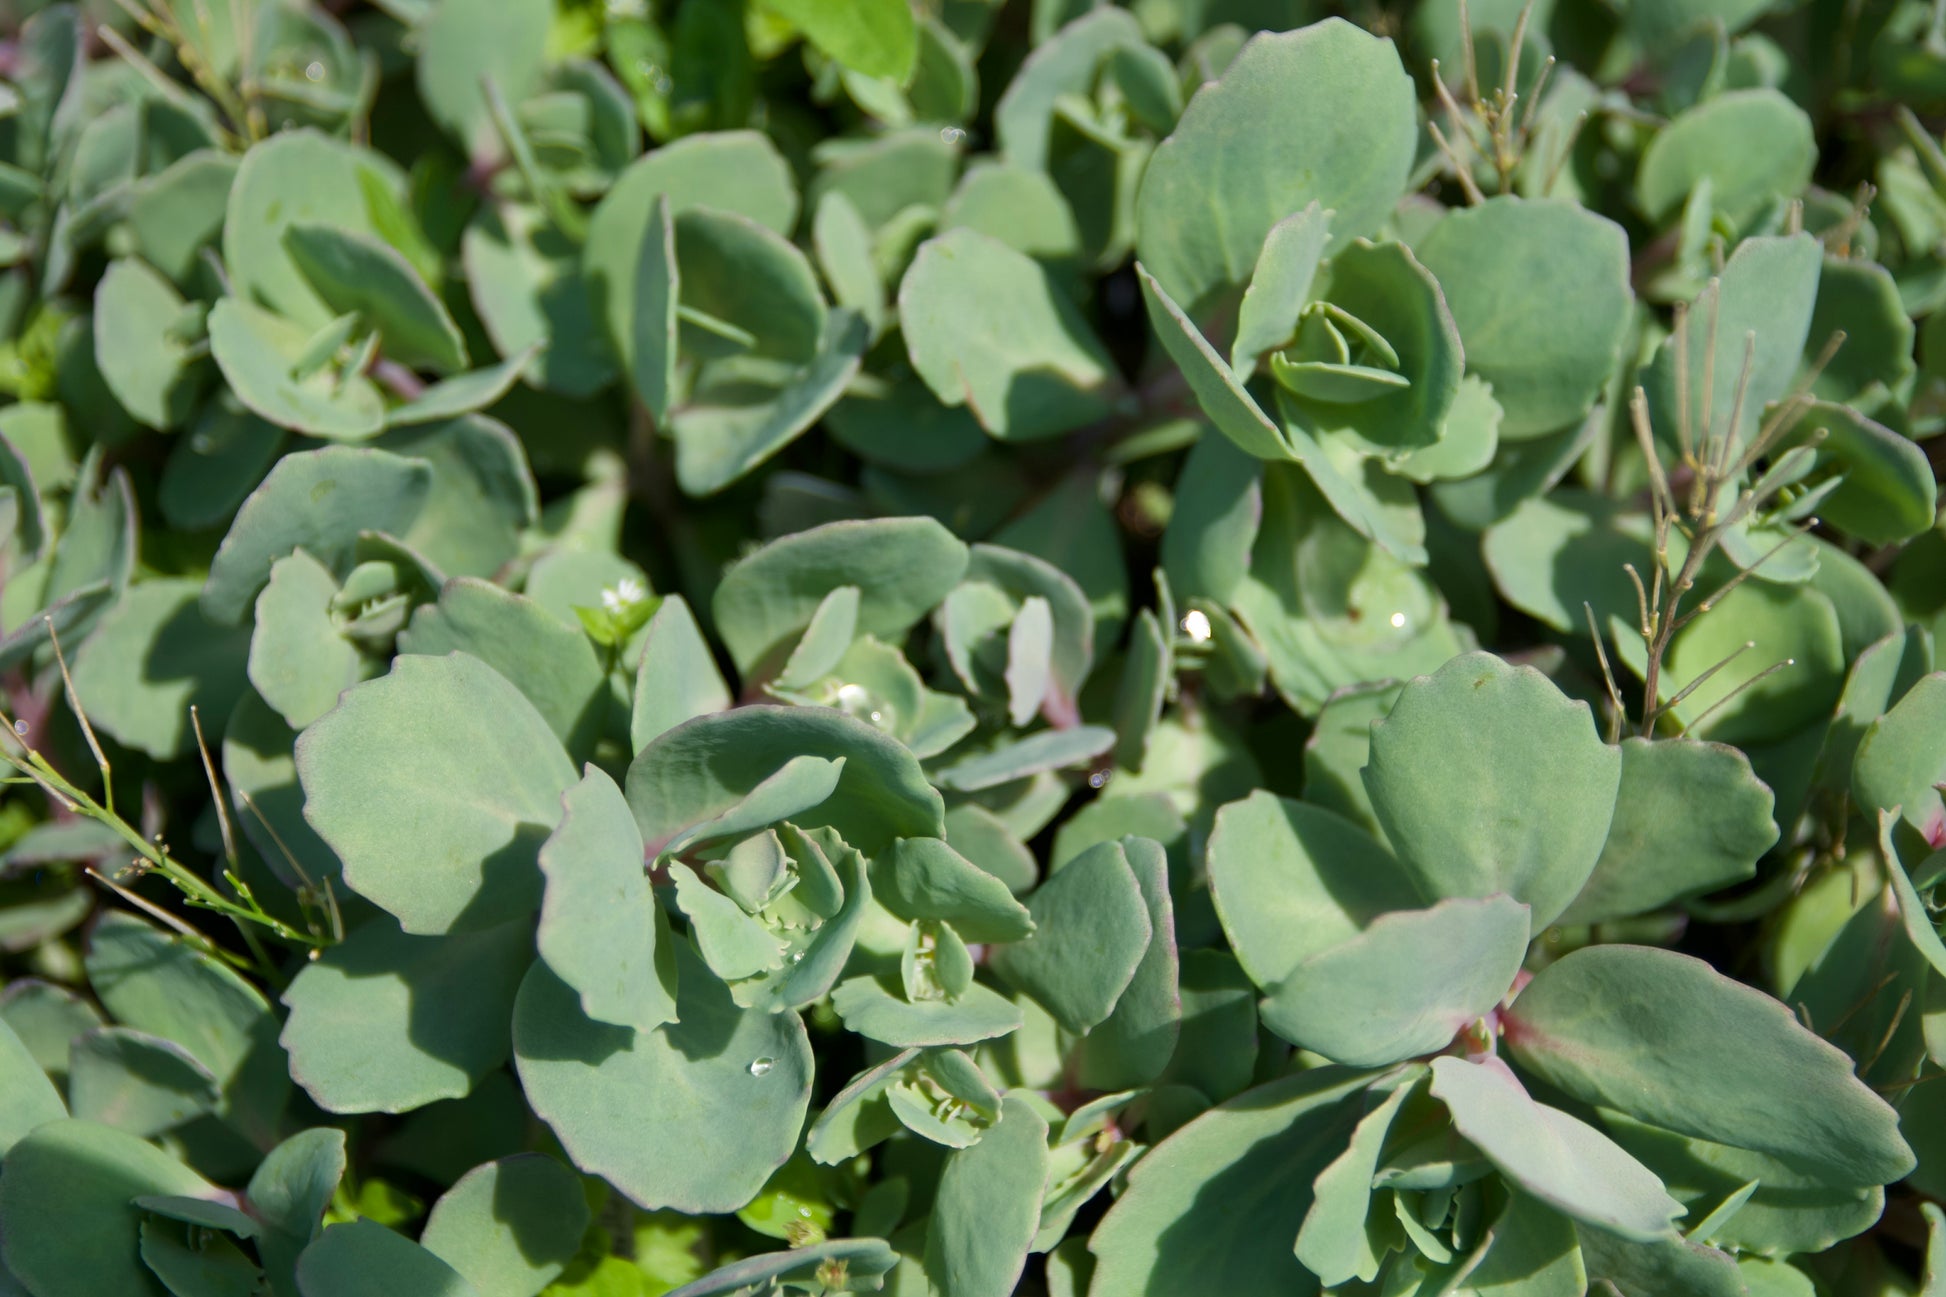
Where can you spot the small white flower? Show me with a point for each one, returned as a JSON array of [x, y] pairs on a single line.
[[626, 594]]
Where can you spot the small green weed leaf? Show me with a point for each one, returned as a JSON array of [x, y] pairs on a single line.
[[291, 178], [1212, 1206], [151, 658], [1534, 828], [361, 275], [318, 501], [706, 767], [67, 1207], [362, 1258], [1901, 759], [1091, 929], [1405, 986], [1754, 146], [145, 342], [299, 661], [876, 38], [1559, 1159], [1690, 818], [1291, 880], [601, 931], [1540, 291], [157, 984], [876, 1013], [552, 664], [511, 1226], [744, 1075], [1324, 114], [1134, 1044], [136, 1082], [903, 567], [1665, 1038], [390, 753], [1334, 1243], [463, 42], [987, 328], [988, 1207], [924, 878], [32, 1099], [678, 679], [359, 1036]]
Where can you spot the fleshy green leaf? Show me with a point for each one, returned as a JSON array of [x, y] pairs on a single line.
[[1560, 1159], [1689, 818], [446, 745], [1527, 810], [1091, 929], [68, 1213], [742, 1075], [1666, 1038], [1323, 114], [362, 1258], [1211, 1208], [511, 1226], [600, 930], [1405, 986], [360, 1036], [988, 1206], [987, 328], [1291, 880]]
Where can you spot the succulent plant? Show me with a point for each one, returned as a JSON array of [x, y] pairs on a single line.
[[950, 647]]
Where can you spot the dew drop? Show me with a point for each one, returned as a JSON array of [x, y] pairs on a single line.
[[797, 956], [1195, 624], [1398, 620], [20, 728], [951, 134], [314, 70], [762, 1066], [1098, 779]]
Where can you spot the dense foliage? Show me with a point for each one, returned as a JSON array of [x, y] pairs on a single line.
[[818, 646]]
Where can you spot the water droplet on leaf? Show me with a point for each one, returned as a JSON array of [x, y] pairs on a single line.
[[761, 1066]]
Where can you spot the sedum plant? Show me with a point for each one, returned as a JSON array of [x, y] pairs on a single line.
[[966, 647]]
